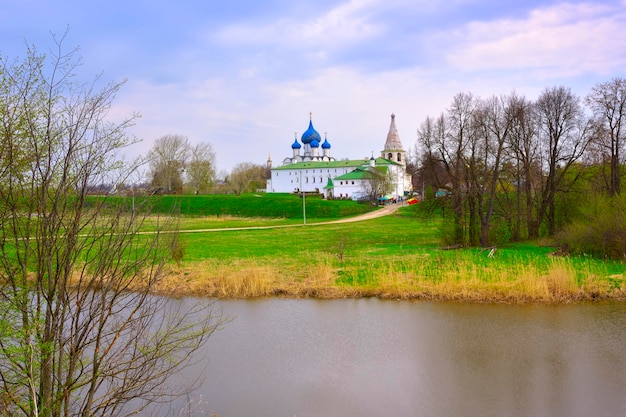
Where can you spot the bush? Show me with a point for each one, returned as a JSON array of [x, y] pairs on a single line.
[[601, 229], [500, 232]]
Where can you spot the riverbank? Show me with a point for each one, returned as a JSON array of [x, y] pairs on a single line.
[[561, 282], [387, 253]]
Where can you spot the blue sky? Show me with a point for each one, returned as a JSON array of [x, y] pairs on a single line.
[[244, 75]]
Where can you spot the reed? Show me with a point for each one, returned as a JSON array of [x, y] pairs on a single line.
[[414, 277]]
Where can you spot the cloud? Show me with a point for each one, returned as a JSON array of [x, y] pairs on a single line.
[[248, 120], [562, 40], [346, 23]]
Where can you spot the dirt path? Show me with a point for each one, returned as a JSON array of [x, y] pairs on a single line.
[[388, 209], [391, 208]]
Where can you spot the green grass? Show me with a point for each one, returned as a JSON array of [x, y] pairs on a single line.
[[399, 255], [275, 205]]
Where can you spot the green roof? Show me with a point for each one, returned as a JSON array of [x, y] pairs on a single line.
[[334, 164], [360, 174]]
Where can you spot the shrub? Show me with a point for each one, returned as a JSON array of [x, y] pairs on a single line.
[[601, 229], [500, 232]]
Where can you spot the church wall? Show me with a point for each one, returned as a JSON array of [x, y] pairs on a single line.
[[310, 180], [307, 179]]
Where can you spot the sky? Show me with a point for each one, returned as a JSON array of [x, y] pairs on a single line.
[[244, 75]]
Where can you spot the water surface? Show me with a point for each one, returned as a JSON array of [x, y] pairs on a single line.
[[369, 357]]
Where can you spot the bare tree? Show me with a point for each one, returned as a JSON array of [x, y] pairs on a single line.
[[493, 122], [168, 158], [81, 333], [524, 152], [608, 102], [376, 182], [246, 177], [433, 170], [565, 135], [201, 168]]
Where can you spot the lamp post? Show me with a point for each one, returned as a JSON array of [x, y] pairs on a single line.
[[303, 200]]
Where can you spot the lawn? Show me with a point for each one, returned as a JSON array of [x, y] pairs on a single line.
[[397, 256]]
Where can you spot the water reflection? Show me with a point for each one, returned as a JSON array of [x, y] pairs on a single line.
[[385, 358]]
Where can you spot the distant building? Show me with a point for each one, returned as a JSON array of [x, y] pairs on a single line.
[[310, 170]]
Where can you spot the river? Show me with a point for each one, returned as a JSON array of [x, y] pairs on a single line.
[[370, 357]]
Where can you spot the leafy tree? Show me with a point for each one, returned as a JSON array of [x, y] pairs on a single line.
[[81, 333]]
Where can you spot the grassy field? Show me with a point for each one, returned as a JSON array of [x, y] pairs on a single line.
[[266, 206], [396, 256]]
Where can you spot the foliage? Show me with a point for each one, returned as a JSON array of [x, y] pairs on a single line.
[[600, 230]]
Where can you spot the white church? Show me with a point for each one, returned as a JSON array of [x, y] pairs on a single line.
[[312, 171]]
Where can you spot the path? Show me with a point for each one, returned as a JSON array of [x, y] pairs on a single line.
[[388, 209]]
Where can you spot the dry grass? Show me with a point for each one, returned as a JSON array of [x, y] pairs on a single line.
[[560, 283]]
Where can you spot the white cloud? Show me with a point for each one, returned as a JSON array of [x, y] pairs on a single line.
[[245, 121], [346, 23], [566, 39]]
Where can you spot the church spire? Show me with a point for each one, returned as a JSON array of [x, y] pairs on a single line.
[[393, 138], [393, 147]]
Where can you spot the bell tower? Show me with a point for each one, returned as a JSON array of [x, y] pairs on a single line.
[[393, 150]]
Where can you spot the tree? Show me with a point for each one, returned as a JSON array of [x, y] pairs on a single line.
[[608, 103], [81, 333], [432, 171], [201, 168], [565, 135], [524, 148], [168, 158], [247, 177], [376, 182], [493, 122]]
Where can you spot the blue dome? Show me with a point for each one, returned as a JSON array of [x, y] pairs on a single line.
[[325, 145], [315, 143], [296, 144], [310, 135]]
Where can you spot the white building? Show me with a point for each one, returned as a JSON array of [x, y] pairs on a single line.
[[310, 170]]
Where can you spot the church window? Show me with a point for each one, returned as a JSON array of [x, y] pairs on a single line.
[[313, 178], [399, 157], [390, 156], [352, 182], [321, 179]]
